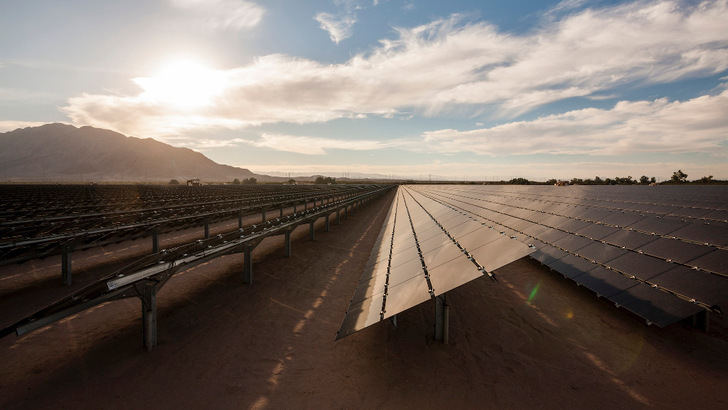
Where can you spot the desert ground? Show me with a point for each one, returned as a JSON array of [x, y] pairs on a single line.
[[531, 340]]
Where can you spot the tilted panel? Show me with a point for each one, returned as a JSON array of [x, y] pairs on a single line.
[[426, 260], [666, 244]]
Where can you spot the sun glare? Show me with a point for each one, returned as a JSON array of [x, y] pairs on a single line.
[[184, 84]]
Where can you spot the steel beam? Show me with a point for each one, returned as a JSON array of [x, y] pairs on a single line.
[[312, 230], [248, 264], [66, 265], [148, 296], [155, 240], [287, 244], [442, 318]]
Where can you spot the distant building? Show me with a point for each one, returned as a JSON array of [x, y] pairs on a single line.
[[194, 182], [561, 183]]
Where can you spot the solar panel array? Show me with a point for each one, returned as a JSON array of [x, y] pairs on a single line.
[[658, 251], [36, 220], [424, 250]]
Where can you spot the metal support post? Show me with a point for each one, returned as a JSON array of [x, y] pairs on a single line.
[[311, 229], [281, 212], [263, 216], [207, 229], [287, 245], [327, 222], [305, 205], [294, 208], [338, 216], [248, 264], [155, 240], [701, 320], [442, 319], [346, 212], [240, 220], [66, 265], [149, 315]]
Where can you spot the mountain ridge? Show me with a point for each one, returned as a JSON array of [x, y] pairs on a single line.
[[64, 153]]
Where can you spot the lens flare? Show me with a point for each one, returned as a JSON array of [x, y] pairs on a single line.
[[533, 292]]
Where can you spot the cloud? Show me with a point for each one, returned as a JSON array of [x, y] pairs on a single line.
[[447, 67], [338, 27], [314, 145], [696, 125], [6, 126], [224, 14]]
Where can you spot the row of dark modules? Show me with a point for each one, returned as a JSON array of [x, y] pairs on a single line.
[[144, 277]]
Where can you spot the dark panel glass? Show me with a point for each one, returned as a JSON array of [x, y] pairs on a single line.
[[715, 233], [554, 221], [604, 282], [405, 271], [674, 249], [658, 226], [369, 287], [451, 275], [499, 253], [435, 242], [629, 239], [404, 255], [572, 242], [547, 254], [601, 252], [535, 230], [662, 209], [442, 255], [374, 270], [717, 215], [572, 211], [551, 236], [571, 266], [478, 238], [593, 214], [657, 307], [453, 222], [715, 261], [573, 225], [702, 286], [642, 266], [432, 231], [622, 219], [465, 229], [361, 315], [406, 295], [596, 231]]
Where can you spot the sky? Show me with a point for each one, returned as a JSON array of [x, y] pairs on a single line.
[[422, 89]]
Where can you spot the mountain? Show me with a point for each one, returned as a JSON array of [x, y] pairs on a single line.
[[64, 153]]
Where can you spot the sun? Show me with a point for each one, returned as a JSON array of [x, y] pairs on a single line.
[[183, 84]]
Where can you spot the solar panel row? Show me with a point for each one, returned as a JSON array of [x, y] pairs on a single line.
[[423, 251], [654, 250]]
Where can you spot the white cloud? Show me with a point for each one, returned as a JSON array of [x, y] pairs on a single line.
[[314, 145], [224, 14], [6, 126], [447, 66], [697, 125], [338, 27]]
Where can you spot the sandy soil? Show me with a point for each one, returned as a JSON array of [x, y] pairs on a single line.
[[271, 345]]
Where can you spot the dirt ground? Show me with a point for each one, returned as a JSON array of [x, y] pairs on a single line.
[[531, 340]]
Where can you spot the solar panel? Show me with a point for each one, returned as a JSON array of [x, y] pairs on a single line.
[[657, 307], [611, 238], [660, 252], [426, 260]]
